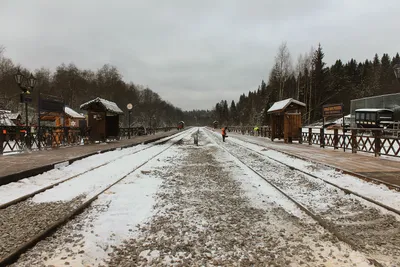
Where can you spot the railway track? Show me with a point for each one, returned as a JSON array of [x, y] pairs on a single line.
[[32, 194], [14, 254], [319, 217], [365, 178]]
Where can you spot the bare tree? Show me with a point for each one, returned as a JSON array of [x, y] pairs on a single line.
[[283, 66], [299, 70]]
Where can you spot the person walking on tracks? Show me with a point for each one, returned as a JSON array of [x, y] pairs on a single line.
[[224, 133]]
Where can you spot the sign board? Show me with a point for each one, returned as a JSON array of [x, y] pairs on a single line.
[[129, 106], [49, 105], [332, 110]]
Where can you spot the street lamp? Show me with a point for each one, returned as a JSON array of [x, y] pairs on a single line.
[[26, 85], [396, 69], [129, 107]]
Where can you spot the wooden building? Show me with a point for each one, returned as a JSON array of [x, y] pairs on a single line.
[[103, 119], [285, 121]]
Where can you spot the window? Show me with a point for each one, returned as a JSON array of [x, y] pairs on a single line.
[[358, 116], [368, 116], [373, 116]]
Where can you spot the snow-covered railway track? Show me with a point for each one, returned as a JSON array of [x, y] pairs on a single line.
[[363, 177], [11, 247], [358, 235], [345, 190], [47, 187]]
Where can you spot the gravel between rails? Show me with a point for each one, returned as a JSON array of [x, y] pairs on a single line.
[[206, 219], [23, 221], [374, 230]]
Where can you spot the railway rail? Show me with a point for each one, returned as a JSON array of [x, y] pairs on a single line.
[[365, 178], [31, 241], [324, 222], [32, 194]]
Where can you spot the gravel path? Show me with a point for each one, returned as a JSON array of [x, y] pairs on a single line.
[[375, 231], [205, 218], [21, 222]]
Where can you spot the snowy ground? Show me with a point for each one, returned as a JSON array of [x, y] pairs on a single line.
[[379, 192], [29, 185], [192, 206], [374, 230], [24, 220]]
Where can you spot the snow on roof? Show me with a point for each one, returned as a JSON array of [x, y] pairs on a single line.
[[5, 121], [372, 109], [284, 104], [72, 113], [108, 105], [13, 116]]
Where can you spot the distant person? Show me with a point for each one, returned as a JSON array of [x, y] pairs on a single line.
[[224, 133]]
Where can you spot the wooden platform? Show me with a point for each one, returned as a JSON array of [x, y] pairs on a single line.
[[19, 166], [361, 164]]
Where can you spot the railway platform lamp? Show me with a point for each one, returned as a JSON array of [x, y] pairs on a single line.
[[129, 107], [26, 84], [396, 69]]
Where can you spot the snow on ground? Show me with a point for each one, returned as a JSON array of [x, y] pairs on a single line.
[[376, 192], [29, 185], [205, 218], [111, 219], [90, 183], [374, 231]]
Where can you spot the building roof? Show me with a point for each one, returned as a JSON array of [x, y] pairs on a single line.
[[5, 120], [13, 116], [72, 113], [373, 109], [107, 105], [283, 104]]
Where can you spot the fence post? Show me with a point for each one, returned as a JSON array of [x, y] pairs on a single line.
[[377, 135], [301, 135], [354, 145], [335, 138], [322, 137], [2, 138], [310, 136]]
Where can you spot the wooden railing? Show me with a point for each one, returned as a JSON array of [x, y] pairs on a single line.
[[263, 131], [125, 133], [376, 141], [18, 139]]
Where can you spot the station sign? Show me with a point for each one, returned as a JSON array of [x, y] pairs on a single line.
[[332, 110]]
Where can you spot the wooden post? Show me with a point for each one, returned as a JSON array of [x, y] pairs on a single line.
[[354, 145], [322, 137], [310, 136], [301, 135], [2, 139], [335, 138], [377, 135]]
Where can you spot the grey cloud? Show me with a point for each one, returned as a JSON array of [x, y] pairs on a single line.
[[193, 53]]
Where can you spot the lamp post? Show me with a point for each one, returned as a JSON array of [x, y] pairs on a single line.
[[396, 69], [129, 107], [26, 85]]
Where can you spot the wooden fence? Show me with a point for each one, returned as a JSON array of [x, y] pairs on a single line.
[[18, 139], [376, 141]]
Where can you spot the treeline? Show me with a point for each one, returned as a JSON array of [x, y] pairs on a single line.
[[76, 86], [312, 82]]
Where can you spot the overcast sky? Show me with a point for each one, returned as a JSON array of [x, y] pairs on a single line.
[[194, 52]]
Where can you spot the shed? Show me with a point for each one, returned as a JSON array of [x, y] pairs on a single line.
[[286, 120], [103, 118]]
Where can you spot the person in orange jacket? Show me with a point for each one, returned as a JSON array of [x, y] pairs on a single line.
[[224, 133]]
